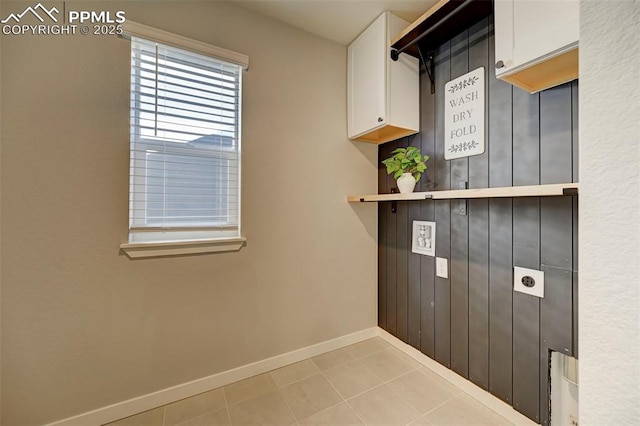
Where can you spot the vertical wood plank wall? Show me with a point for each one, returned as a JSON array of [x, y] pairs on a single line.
[[473, 322]]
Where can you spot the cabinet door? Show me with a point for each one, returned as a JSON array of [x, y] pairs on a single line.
[[530, 31], [503, 18], [543, 28], [366, 96]]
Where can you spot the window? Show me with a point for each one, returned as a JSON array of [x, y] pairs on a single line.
[[184, 145]]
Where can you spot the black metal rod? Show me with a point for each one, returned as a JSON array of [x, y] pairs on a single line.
[[434, 27]]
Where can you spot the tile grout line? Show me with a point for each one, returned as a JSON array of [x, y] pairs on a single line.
[[401, 397], [297, 380], [344, 400], [385, 383], [382, 383], [462, 389], [438, 406], [279, 390], [226, 405], [387, 346], [340, 395], [320, 372]]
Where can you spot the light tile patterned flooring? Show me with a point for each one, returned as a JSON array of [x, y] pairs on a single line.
[[369, 383]]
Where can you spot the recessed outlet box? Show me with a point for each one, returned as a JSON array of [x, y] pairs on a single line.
[[424, 238], [528, 281], [442, 267]]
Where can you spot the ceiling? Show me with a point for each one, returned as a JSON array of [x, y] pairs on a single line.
[[338, 20]]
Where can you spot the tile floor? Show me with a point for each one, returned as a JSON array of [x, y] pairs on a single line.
[[370, 383]]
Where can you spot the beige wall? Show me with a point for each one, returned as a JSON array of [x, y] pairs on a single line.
[[82, 325]]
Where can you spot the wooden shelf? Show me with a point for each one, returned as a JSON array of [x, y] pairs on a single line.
[[439, 24], [550, 190], [414, 196]]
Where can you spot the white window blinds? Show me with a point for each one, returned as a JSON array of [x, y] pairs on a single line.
[[185, 145]]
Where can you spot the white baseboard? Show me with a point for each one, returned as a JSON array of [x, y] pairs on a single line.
[[497, 405], [166, 396]]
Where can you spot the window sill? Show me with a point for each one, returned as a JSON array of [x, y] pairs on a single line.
[[181, 248]]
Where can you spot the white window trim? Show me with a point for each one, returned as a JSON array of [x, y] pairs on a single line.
[[130, 28], [179, 248]]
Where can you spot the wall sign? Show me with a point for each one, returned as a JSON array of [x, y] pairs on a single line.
[[464, 115]]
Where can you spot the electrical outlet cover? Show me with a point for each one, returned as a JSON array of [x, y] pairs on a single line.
[[442, 267], [528, 281], [423, 238]]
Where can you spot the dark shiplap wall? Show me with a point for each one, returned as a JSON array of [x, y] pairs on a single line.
[[473, 322]]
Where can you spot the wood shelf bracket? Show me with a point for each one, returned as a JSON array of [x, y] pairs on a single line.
[[394, 203], [430, 67]]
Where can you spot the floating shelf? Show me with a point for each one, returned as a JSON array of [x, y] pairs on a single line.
[[439, 24], [550, 190]]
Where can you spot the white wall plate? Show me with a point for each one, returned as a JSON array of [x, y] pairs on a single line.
[[423, 238], [442, 267], [528, 281]]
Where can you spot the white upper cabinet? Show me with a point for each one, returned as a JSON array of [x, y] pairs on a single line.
[[536, 42], [382, 95]]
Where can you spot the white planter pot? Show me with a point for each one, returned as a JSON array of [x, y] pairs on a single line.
[[406, 183]]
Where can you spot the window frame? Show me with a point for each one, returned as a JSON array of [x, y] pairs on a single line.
[[154, 241]]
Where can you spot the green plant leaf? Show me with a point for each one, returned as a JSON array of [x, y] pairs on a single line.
[[406, 160]]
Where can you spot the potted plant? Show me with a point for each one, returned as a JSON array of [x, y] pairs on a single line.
[[407, 166]]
